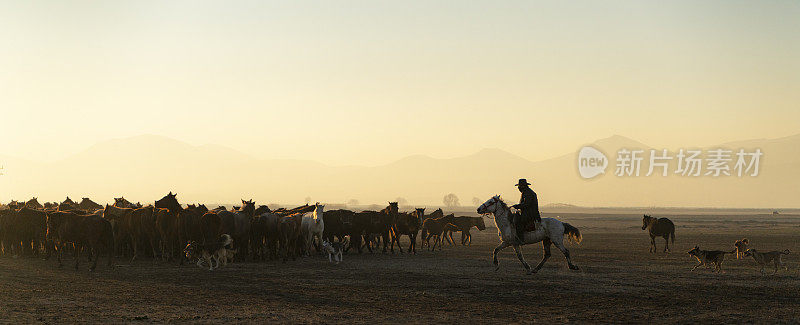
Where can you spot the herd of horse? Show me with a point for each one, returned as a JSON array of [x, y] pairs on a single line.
[[162, 230]]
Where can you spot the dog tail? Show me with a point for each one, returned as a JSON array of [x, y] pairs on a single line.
[[786, 252], [573, 234]]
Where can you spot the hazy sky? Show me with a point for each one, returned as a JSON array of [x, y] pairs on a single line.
[[367, 82]]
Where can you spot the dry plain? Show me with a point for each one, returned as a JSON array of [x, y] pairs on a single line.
[[619, 282]]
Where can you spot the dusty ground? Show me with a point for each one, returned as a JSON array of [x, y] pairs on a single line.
[[619, 282]]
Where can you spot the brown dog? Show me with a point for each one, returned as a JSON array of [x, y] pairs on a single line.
[[741, 247], [708, 258], [765, 258]]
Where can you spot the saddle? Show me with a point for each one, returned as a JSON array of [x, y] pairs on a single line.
[[530, 225]]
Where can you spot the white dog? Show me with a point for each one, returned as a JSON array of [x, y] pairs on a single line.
[[334, 251]]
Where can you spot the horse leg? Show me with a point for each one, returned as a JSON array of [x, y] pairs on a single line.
[[96, 250], [666, 244], [398, 243], [522, 259], [135, 248], [426, 238], [61, 253], [563, 249], [653, 247], [497, 249], [545, 255], [78, 255], [384, 239]]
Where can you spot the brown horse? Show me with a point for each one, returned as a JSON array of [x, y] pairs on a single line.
[[121, 202], [662, 227], [435, 228], [261, 210], [270, 223], [22, 230], [464, 224], [144, 230], [89, 205], [438, 213], [123, 227], [84, 231], [33, 203], [68, 205], [166, 228], [237, 225], [407, 224], [289, 235]]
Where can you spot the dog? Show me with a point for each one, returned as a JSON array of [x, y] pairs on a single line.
[[334, 251], [708, 258], [226, 255], [208, 252], [769, 257], [741, 246]]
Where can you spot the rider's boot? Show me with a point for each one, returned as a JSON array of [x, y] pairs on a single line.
[[520, 236]]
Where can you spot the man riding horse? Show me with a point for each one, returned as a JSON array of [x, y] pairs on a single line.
[[529, 209]]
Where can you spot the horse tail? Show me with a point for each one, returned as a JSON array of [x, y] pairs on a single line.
[[573, 234], [672, 234]]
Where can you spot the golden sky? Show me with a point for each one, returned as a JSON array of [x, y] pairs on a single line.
[[366, 82]]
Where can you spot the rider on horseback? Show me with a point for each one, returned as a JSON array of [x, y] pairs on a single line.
[[529, 209]]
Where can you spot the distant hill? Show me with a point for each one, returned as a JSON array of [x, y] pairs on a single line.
[[144, 168]]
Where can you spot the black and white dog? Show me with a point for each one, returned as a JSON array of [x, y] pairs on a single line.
[[208, 252], [334, 251]]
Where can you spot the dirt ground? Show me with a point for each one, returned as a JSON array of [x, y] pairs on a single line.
[[619, 282]]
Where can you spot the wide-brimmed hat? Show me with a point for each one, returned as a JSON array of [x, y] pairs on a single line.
[[522, 181]]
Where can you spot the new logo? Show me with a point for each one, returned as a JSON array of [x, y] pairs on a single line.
[[591, 162]]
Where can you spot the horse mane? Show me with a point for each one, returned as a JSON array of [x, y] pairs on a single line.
[[501, 202]]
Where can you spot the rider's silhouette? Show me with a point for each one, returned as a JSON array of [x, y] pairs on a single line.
[[528, 206]]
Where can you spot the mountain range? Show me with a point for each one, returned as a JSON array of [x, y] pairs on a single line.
[[144, 168]]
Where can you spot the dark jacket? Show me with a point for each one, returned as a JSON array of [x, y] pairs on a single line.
[[529, 204]]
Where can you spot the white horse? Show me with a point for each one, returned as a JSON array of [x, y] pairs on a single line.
[[548, 231], [312, 225]]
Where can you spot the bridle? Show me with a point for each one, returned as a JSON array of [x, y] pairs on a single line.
[[485, 207]]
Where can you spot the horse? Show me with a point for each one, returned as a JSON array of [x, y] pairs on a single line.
[[409, 224], [89, 205], [337, 224], [121, 202], [464, 224], [662, 227], [289, 227], [549, 231], [237, 225], [33, 203], [313, 225], [84, 231], [144, 230], [438, 213], [122, 225], [261, 210], [435, 227], [67, 205]]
